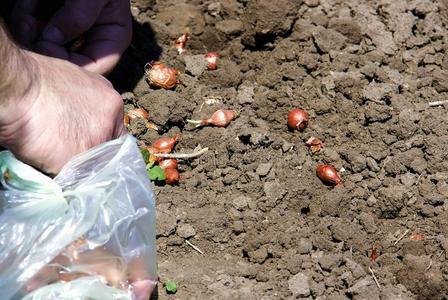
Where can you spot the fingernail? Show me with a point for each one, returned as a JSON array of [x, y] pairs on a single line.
[[52, 34]]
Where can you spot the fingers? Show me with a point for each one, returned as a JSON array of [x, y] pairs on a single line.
[[72, 20], [24, 25], [104, 46], [104, 43], [98, 59]]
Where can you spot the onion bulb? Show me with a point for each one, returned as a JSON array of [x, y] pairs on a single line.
[[139, 113], [297, 119], [212, 60], [164, 144], [160, 75], [220, 118], [168, 163], [328, 175], [180, 42], [171, 176]]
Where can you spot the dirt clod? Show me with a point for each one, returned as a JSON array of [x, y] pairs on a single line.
[[365, 72]]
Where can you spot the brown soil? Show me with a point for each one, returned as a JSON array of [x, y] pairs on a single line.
[[269, 229]]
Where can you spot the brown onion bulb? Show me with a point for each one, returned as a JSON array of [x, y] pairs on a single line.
[[160, 75], [220, 118], [328, 175], [138, 113], [297, 119], [134, 114], [171, 176], [168, 164], [164, 144]]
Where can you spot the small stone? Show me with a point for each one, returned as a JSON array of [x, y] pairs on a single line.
[[195, 64], [408, 179], [287, 146], [185, 231], [371, 201], [355, 268], [328, 262], [238, 227], [166, 225], [299, 286], [416, 263], [356, 178], [357, 162], [360, 284], [328, 39], [368, 222], [214, 8], [444, 244], [305, 246], [241, 202], [427, 211], [259, 255], [372, 165], [273, 190], [129, 96], [174, 240], [311, 3], [318, 288], [435, 200], [230, 27], [263, 169], [260, 123], [245, 94]]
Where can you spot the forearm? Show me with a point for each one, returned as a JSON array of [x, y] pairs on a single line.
[[17, 76]]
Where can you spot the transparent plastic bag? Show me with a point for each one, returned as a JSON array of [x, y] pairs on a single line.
[[87, 233]]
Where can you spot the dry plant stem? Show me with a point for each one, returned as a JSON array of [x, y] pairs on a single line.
[[194, 247], [429, 266], [418, 179], [438, 103], [374, 278], [181, 155], [402, 236]]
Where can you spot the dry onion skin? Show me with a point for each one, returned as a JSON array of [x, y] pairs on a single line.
[[212, 60], [160, 75]]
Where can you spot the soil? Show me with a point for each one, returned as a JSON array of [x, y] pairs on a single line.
[[365, 72]]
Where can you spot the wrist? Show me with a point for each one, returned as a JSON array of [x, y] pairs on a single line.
[[18, 93]]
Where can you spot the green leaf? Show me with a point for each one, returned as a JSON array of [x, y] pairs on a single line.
[[170, 287], [156, 173], [150, 164], [145, 154]]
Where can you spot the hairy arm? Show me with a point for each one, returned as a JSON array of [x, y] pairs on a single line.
[[17, 75]]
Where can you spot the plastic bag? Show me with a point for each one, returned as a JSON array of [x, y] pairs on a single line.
[[87, 233]]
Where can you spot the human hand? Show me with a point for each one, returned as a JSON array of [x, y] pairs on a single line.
[[105, 26], [66, 111]]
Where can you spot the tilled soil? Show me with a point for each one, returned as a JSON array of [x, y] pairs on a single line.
[[365, 72]]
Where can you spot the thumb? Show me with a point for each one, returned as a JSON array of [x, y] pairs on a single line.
[[72, 20]]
